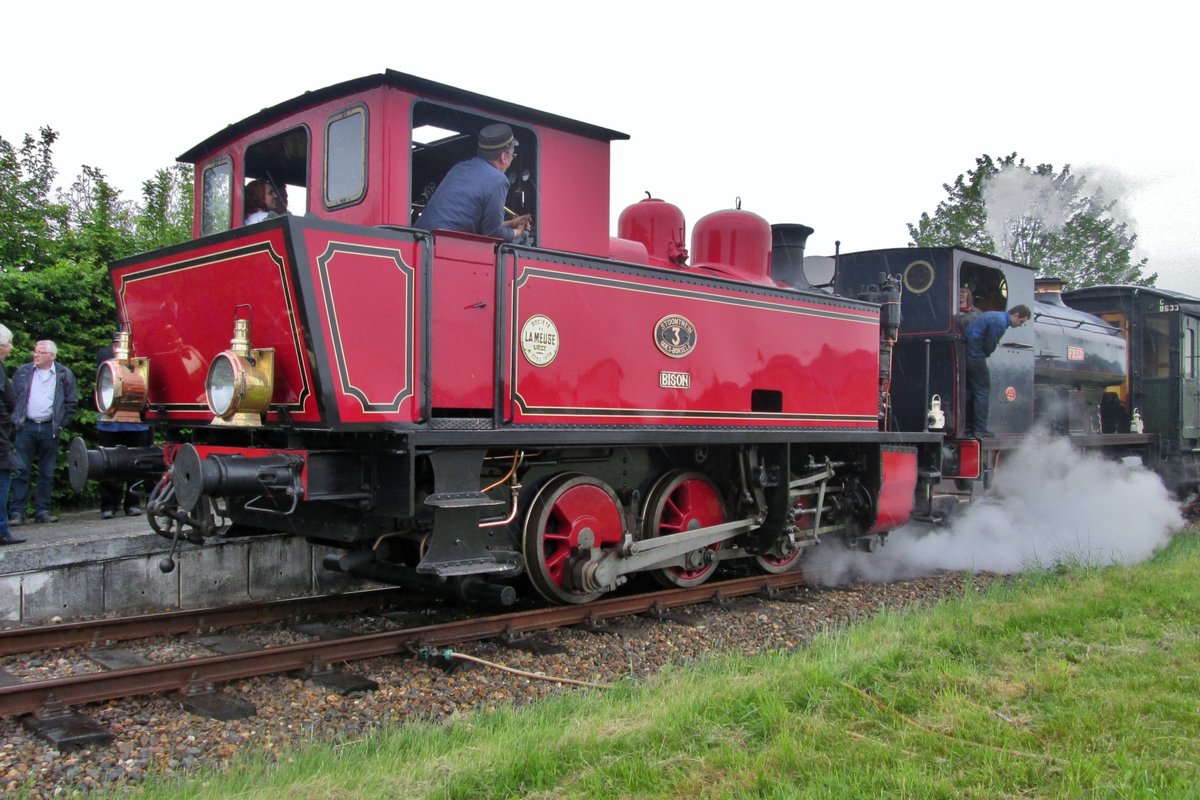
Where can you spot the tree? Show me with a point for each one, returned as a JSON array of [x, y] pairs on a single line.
[[1052, 221], [54, 257], [30, 222]]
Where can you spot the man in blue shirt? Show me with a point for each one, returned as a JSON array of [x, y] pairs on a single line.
[[983, 334], [471, 196]]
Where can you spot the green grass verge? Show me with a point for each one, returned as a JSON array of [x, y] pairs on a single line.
[[1083, 683]]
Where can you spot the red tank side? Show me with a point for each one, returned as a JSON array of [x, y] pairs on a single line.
[[591, 344]]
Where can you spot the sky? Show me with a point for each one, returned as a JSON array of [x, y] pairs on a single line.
[[849, 119]]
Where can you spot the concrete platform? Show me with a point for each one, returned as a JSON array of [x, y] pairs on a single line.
[[83, 566]]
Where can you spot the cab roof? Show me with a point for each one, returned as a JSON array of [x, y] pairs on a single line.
[[399, 80]]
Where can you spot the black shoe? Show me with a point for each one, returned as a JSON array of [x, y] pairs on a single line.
[[44, 517], [16, 519], [133, 512], [106, 514], [10, 539]]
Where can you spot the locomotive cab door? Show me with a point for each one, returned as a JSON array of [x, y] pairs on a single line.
[[1190, 383]]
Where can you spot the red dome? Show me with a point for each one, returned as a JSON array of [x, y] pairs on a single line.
[[736, 242]]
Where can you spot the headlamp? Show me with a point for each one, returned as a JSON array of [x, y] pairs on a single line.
[[121, 382], [241, 381]]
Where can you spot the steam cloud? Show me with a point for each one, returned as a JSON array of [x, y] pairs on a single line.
[[1051, 505]]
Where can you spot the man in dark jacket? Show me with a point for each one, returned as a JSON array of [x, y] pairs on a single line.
[[982, 337], [46, 401], [7, 456]]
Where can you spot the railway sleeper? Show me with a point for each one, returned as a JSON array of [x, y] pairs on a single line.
[[65, 728]]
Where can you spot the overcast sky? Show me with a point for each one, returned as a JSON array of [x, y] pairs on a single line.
[[847, 119]]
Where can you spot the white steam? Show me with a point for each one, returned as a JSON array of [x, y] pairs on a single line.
[[1020, 203], [1050, 505]]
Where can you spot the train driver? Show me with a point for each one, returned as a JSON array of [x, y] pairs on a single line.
[[471, 196], [982, 337]]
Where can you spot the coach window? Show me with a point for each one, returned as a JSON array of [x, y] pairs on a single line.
[[346, 157], [1189, 353], [1156, 347], [216, 201], [282, 160]]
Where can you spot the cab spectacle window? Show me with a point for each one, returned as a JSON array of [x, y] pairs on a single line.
[[918, 276], [216, 199], [346, 157]]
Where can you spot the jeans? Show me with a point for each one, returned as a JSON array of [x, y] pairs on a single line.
[[979, 388], [37, 445], [5, 481]]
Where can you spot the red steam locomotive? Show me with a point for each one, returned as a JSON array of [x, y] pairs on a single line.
[[451, 411]]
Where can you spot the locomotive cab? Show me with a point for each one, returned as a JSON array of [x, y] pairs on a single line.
[[371, 151]]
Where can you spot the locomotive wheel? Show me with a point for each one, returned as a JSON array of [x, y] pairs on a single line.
[[571, 510], [774, 563], [682, 500]]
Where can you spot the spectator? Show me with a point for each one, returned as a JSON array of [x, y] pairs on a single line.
[[8, 457], [45, 402], [116, 495]]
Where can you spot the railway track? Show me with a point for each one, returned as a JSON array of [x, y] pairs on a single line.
[[195, 680]]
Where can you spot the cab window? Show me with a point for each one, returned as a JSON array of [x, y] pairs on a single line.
[[346, 157], [216, 198], [989, 288], [282, 161], [442, 137]]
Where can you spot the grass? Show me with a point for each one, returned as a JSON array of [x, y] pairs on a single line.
[[1084, 682]]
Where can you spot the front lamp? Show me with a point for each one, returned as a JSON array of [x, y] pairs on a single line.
[[121, 382], [241, 381]]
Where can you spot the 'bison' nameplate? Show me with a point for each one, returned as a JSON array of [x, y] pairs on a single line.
[[674, 380]]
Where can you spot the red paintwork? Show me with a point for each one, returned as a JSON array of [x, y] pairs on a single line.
[[897, 486], [823, 359], [968, 458], [464, 322], [367, 292], [182, 309]]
